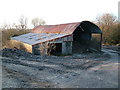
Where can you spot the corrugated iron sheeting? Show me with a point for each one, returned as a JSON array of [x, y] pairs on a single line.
[[45, 33], [90, 27], [35, 38], [61, 28]]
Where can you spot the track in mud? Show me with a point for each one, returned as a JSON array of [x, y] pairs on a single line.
[[53, 72]]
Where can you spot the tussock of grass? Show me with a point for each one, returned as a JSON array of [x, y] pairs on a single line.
[[7, 34]]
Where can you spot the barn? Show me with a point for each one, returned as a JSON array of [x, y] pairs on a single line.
[[63, 39]]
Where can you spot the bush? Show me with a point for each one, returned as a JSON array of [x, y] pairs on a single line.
[[110, 26], [114, 36], [7, 34]]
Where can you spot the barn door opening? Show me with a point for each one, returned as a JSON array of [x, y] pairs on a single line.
[[55, 49]]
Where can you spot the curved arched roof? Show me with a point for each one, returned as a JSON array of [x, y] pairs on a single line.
[[68, 28], [50, 32], [90, 27]]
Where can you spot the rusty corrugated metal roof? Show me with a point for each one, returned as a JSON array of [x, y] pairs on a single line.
[[45, 33], [68, 28], [35, 38], [61, 28]]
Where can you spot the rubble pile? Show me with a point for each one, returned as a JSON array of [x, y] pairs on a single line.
[[17, 53], [8, 52]]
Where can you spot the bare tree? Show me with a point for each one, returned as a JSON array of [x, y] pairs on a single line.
[[23, 23], [37, 22], [6, 26], [106, 20], [108, 24]]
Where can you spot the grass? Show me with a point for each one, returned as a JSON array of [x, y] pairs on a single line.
[[6, 34]]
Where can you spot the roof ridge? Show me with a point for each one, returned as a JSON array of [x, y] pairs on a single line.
[[60, 24]]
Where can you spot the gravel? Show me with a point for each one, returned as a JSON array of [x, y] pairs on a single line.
[[25, 70], [16, 53]]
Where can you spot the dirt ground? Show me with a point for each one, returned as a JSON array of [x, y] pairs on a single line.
[[76, 71]]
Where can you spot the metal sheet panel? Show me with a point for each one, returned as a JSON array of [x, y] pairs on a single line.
[[68, 28], [35, 38], [45, 33], [61, 28]]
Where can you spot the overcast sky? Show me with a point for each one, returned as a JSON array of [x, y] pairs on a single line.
[[55, 11]]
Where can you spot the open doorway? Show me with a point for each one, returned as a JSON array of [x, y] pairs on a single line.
[[55, 49]]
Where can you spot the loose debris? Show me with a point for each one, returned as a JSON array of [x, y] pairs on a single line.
[[16, 53], [28, 70]]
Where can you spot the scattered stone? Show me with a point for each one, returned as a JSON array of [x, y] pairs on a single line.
[[15, 53]]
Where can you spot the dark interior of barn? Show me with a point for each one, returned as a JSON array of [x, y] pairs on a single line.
[[55, 49], [83, 38]]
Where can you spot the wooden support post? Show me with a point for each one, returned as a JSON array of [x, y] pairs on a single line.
[[100, 42]]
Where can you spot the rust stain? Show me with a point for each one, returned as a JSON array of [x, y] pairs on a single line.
[[45, 33], [60, 29]]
